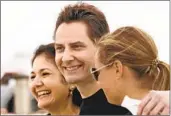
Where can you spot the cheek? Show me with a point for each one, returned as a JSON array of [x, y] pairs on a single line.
[[60, 91], [105, 79], [86, 56], [58, 57], [102, 79], [57, 87], [32, 89]]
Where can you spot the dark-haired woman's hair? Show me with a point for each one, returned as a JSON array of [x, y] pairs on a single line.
[[48, 50]]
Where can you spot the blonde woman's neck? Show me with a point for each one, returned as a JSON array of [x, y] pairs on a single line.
[[137, 93], [135, 89]]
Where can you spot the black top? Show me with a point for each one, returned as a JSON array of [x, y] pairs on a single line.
[[97, 104]]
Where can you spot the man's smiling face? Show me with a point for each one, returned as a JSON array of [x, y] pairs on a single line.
[[74, 51]]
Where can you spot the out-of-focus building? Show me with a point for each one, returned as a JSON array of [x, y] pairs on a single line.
[[16, 97]]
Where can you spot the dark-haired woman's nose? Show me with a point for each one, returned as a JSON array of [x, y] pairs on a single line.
[[38, 82]]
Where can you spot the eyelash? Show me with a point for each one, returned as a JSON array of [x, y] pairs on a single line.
[[59, 49], [32, 77], [45, 74], [77, 46]]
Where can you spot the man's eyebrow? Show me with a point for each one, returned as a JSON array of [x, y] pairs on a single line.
[[77, 42], [57, 44], [71, 43]]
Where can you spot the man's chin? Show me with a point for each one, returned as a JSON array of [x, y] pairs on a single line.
[[73, 80]]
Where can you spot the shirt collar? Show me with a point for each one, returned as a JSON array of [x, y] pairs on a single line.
[[131, 104]]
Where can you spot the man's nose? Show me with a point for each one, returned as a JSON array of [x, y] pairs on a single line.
[[67, 56]]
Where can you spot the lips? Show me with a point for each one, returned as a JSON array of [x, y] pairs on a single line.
[[43, 93], [72, 68]]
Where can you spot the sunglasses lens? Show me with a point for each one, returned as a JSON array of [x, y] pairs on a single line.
[[95, 73], [93, 69]]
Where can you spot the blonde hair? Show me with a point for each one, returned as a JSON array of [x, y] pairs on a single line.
[[137, 50]]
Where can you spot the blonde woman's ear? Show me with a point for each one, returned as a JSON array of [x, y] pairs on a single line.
[[118, 68]]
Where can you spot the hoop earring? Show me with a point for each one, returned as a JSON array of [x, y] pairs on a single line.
[[71, 88]]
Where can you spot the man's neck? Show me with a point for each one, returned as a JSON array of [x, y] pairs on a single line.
[[88, 87]]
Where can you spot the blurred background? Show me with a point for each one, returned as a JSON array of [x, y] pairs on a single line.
[[27, 24]]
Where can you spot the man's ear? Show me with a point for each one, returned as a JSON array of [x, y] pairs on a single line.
[[118, 68]]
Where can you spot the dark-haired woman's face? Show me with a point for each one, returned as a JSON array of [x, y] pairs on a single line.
[[46, 83]]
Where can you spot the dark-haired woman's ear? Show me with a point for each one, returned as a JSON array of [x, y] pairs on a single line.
[[71, 88]]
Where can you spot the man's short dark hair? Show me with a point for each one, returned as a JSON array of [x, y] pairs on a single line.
[[88, 14]]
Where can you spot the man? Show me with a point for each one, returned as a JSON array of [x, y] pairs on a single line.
[[78, 27]]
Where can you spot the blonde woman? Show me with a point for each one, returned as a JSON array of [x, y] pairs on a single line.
[[128, 64]]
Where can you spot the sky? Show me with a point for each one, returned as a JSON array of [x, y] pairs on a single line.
[[27, 24]]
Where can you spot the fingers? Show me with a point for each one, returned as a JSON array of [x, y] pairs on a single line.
[[158, 108], [153, 104], [143, 103], [150, 105], [166, 111]]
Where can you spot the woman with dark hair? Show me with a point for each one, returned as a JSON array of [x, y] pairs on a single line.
[[48, 86]]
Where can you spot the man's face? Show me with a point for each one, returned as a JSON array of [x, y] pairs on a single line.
[[74, 51]]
